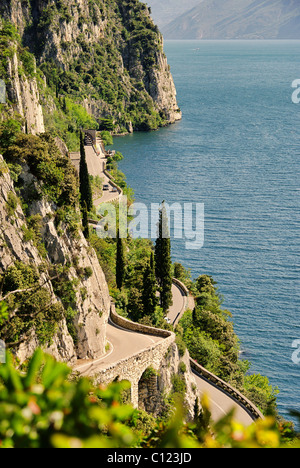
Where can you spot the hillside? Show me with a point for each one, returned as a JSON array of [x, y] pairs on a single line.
[[63, 71], [67, 65], [236, 19], [104, 55]]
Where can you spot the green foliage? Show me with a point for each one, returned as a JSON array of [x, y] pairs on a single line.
[[106, 138], [28, 62], [120, 262], [258, 389], [32, 232], [28, 306], [86, 196], [106, 124], [9, 130], [44, 407], [85, 221], [12, 203], [211, 341], [79, 114], [10, 44], [8, 30], [163, 260], [55, 172], [149, 289]]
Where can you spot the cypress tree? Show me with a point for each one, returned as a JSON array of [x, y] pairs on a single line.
[[149, 297], [84, 179], [163, 260], [85, 221], [120, 262]]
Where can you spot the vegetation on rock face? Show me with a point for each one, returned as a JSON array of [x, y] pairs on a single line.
[[43, 406], [29, 307], [55, 172], [40, 172], [106, 64]]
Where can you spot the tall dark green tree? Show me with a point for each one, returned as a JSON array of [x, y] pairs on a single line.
[[120, 262], [163, 260], [85, 221], [86, 195], [149, 296]]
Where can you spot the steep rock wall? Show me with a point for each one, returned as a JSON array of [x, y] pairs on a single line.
[[23, 93], [110, 52], [92, 296]]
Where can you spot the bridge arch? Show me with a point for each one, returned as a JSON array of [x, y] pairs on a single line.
[[148, 391]]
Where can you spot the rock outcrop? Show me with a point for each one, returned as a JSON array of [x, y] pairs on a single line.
[[23, 92], [92, 302], [107, 54]]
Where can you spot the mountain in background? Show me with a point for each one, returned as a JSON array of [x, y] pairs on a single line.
[[164, 12], [228, 19]]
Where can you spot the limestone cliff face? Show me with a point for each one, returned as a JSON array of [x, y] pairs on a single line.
[[162, 89], [174, 364], [109, 54], [92, 303], [23, 92]]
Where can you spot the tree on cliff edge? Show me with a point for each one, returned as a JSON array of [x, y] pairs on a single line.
[[149, 297], [163, 260], [120, 262], [86, 195]]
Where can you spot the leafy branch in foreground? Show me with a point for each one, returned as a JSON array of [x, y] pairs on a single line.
[[44, 407]]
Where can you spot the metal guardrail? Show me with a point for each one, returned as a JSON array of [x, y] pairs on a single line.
[[185, 291], [226, 388]]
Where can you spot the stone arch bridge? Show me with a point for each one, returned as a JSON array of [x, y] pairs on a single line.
[[152, 343]]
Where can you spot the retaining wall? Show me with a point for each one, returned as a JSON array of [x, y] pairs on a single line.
[[228, 389], [133, 367]]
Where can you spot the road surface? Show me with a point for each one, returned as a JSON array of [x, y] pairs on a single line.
[[179, 304], [96, 165], [220, 403], [122, 344]]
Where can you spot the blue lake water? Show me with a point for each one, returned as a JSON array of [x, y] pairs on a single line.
[[237, 151]]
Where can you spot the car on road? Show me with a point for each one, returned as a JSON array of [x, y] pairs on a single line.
[[105, 187], [114, 189]]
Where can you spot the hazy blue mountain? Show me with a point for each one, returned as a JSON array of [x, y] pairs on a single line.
[[165, 11], [230, 19]]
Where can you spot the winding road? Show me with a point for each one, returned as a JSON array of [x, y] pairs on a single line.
[[124, 343], [96, 162], [221, 403]]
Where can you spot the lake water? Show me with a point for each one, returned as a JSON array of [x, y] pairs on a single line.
[[236, 150]]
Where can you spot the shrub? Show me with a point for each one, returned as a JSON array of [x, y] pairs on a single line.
[[11, 204]]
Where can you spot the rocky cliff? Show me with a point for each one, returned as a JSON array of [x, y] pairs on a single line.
[[64, 267], [19, 73], [23, 93], [106, 55], [53, 287]]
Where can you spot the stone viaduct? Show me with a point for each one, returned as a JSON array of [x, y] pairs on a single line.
[[132, 368]]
